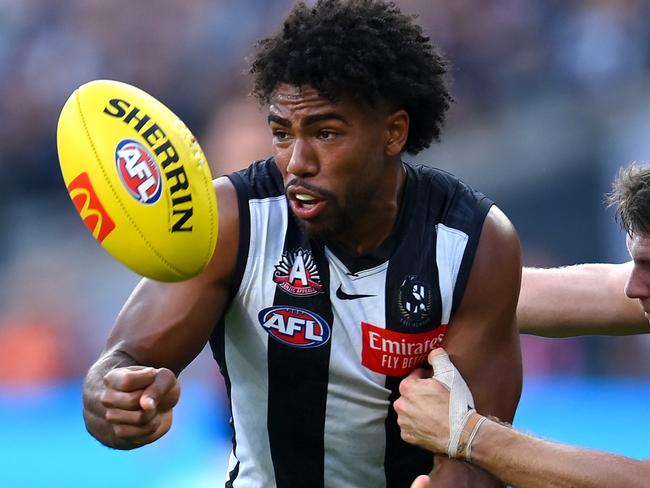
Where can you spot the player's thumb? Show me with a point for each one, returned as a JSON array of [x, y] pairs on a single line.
[[163, 393], [440, 362]]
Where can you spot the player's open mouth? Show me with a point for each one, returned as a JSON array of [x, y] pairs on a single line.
[[305, 205]]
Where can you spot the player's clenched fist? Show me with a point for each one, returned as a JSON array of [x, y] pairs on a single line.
[[130, 406]]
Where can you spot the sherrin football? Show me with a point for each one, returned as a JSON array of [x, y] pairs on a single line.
[[138, 179]]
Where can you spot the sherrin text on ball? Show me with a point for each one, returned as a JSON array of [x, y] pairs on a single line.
[[138, 179]]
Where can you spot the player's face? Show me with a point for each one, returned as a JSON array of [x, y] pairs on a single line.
[[331, 156], [638, 283]]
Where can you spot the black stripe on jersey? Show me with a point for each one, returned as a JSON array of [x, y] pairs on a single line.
[[217, 343], [414, 256], [298, 380]]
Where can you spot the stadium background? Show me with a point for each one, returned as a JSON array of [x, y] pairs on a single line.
[[551, 98]]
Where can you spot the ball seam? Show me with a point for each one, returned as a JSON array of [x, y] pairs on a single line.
[[212, 210]]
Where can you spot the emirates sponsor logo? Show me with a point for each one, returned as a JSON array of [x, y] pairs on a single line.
[[397, 353]]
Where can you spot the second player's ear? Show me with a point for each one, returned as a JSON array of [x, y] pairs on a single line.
[[397, 131]]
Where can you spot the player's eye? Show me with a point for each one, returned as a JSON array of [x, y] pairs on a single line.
[[280, 135], [326, 134]]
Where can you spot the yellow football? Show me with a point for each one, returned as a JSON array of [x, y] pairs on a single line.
[[138, 179]]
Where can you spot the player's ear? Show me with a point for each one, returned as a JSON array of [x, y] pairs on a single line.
[[397, 131]]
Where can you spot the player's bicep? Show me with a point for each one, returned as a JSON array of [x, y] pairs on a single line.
[[483, 341], [167, 324]]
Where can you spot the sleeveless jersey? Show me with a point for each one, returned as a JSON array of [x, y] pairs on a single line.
[[315, 342]]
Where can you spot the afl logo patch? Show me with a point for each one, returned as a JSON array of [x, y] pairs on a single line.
[[138, 171], [295, 327]]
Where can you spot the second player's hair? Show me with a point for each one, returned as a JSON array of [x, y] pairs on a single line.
[[631, 198]]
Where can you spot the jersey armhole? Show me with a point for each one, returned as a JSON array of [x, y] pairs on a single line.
[[483, 207], [244, 232]]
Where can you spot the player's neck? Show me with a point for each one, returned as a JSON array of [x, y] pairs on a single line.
[[369, 233]]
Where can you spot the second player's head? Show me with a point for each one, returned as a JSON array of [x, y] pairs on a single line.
[[631, 197]]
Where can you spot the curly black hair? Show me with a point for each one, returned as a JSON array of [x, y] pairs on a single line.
[[364, 49]]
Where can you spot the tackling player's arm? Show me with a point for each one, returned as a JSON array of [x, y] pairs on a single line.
[[520, 459], [529, 462], [483, 340], [579, 300], [131, 389]]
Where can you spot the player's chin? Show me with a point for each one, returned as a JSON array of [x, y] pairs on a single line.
[[318, 228]]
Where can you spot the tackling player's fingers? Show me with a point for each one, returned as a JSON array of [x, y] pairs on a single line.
[[421, 481], [416, 374]]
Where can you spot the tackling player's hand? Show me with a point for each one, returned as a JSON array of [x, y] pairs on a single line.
[[435, 412], [139, 402], [422, 411], [422, 481]]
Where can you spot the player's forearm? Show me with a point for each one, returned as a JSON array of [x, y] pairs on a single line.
[[578, 300], [94, 413], [527, 462], [454, 473]]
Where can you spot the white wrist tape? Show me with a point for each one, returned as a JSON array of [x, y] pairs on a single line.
[[461, 402]]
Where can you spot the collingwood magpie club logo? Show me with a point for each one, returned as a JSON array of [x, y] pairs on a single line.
[[296, 273], [415, 302]]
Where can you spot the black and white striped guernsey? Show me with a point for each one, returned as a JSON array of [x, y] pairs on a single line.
[[315, 341]]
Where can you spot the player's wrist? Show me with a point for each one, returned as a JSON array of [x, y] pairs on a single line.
[[467, 436]]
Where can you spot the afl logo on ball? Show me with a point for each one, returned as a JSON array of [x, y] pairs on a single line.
[[294, 326], [138, 171]]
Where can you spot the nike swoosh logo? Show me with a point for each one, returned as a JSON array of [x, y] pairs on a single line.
[[341, 295]]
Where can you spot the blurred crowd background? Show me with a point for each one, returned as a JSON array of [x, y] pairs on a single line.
[[552, 97]]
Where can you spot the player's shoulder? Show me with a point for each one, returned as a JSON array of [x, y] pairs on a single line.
[[259, 180], [450, 201], [441, 182], [499, 250], [498, 228], [432, 175]]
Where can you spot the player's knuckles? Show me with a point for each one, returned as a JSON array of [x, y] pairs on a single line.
[[398, 405], [405, 386], [407, 435]]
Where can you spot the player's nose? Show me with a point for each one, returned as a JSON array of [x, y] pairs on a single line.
[[637, 286], [303, 161]]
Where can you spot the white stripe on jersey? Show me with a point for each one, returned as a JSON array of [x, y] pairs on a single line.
[[450, 247], [357, 402], [246, 345]]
